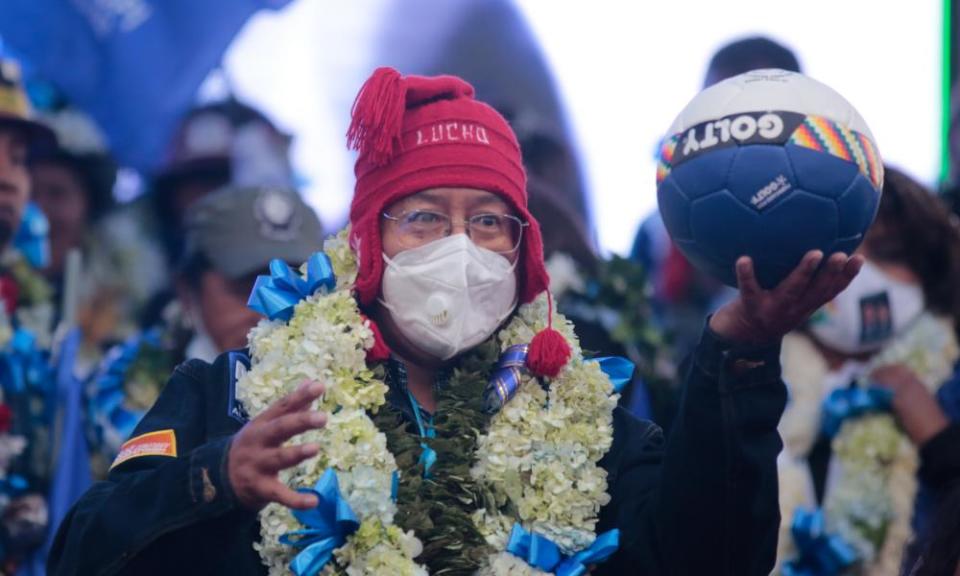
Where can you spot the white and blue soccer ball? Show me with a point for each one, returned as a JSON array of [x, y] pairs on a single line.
[[768, 164]]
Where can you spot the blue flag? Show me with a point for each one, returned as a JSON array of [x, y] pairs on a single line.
[[135, 66]]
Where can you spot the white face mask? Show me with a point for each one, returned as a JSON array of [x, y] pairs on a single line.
[[449, 295], [869, 313]]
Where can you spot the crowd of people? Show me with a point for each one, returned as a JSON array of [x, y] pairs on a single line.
[[151, 420]]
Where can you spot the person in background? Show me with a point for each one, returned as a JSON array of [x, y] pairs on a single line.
[[73, 186], [231, 236], [936, 434], [682, 294], [942, 555], [216, 144], [25, 339], [608, 299], [850, 449]]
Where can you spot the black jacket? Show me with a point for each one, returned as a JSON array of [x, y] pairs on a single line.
[[702, 502]]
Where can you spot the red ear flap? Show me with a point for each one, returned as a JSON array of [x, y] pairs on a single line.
[[365, 240], [380, 351]]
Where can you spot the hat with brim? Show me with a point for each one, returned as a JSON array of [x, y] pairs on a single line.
[[241, 229]]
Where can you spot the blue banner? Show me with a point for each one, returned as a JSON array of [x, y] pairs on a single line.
[[132, 65]]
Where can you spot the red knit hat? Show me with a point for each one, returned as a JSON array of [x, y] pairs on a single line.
[[414, 133]]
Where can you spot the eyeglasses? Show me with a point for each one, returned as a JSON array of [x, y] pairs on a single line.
[[500, 233]]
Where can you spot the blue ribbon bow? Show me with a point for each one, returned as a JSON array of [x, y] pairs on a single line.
[[820, 554], [542, 553], [276, 295], [13, 485], [328, 525], [852, 402], [618, 369]]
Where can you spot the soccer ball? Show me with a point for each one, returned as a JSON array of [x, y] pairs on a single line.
[[769, 164]]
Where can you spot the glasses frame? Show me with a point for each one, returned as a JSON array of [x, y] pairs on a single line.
[[466, 224]]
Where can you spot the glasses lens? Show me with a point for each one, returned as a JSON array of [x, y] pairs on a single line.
[[419, 227], [496, 232]]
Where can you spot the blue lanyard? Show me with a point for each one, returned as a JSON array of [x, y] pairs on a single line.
[[428, 456]]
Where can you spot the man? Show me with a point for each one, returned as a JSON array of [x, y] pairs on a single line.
[[25, 326], [440, 187], [73, 186], [231, 236], [216, 144]]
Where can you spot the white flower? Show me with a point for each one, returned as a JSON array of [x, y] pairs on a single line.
[[506, 564]]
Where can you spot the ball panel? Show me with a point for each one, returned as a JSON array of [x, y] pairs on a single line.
[[857, 207], [725, 229], [820, 172], [802, 222], [674, 208], [761, 176], [770, 90], [847, 245], [722, 225], [720, 268], [704, 174]]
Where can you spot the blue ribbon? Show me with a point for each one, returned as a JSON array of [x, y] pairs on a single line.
[[542, 553], [820, 554], [24, 365], [618, 369], [32, 237], [536, 550], [13, 485], [851, 403], [428, 456], [328, 525], [276, 295], [505, 378]]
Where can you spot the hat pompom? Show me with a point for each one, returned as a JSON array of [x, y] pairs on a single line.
[[549, 351], [377, 116]]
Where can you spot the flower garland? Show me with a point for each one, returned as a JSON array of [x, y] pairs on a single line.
[[872, 481], [32, 300], [124, 387], [535, 463], [26, 318]]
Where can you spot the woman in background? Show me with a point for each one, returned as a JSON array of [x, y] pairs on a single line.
[[849, 447]]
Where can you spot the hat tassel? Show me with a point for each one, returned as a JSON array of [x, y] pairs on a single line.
[[377, 116]]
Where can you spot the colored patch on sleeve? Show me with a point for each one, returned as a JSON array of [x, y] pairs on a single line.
[[158, 443]]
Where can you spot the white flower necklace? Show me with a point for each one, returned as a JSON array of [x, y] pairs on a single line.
[[539, 456]]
